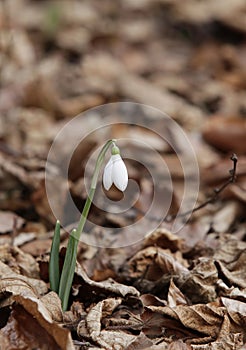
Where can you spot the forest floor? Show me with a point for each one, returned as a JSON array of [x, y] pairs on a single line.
[[139, 284]]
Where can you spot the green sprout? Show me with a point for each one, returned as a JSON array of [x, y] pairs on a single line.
[[115, 173]]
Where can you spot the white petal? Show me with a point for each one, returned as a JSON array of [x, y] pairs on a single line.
[[119, 173], [107, 175]]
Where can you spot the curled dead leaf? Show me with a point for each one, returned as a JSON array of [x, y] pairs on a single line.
[[91, 328], [43, 333], [153, 262], [164, 239], [89, 288], [52, 303], [175, 296], [17, 284], [199, 321], [200, 284]]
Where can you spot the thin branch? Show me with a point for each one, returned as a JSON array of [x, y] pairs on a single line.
[[217, 191], [212, 199]]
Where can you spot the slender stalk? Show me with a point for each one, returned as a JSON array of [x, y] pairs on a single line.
[[89, 199], [71, 253], [54, 272]]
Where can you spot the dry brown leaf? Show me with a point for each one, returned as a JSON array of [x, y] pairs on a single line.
[[19, 261], [115, 340], [74, 315], [91, 327], [164, 239], [106, 68], [37, 247], [200, 285], [234, 293], [5, 341], [155, 325], [235, 277], [200, 320], [219, 171], [229, 249], [24, 237], [108, 287], [26, 263], [195, 233], [17, 284], [179, 345], [175, 296], [226, 216], [236, 310], [226, 134], [9, 221], [227, 342], [172, 263], [230, 259], [238, 190], [58, 187], [200, 12], [100, 310], [52, 303], [43, 333], [141, 342], [9, 166], [149, 299], [153, 262], [123, 319]]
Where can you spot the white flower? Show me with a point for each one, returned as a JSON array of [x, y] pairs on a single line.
[[115, 172]]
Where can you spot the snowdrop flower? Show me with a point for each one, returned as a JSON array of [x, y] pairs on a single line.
[[115, 171]]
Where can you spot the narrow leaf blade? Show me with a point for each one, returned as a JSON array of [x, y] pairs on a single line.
[[54, 272], [68, 270]]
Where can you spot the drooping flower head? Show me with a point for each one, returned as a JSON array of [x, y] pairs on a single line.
[[115, 171]]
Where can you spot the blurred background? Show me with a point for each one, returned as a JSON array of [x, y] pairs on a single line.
[[60, 58]]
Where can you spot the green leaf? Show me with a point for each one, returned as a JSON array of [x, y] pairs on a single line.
[[54, 272], [68, 270]]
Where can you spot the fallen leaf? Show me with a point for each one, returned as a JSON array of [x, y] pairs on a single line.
[[203, 322], [153, 262], [19, 261], [175, 296], [140, 342], [88, 288], [5, 341], [226, 216], [23, 238], [91, 328], [236, 310], [17, 284], [37, 247], [234, 277], [52, 303], [149, 299], [226, 134], [179, 345], [162, 238], [9, 221], [44, 333]]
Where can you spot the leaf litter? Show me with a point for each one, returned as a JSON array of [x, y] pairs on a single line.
[[169, 291]]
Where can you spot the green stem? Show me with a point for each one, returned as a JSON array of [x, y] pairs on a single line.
[[89, 199], [71, 253]]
